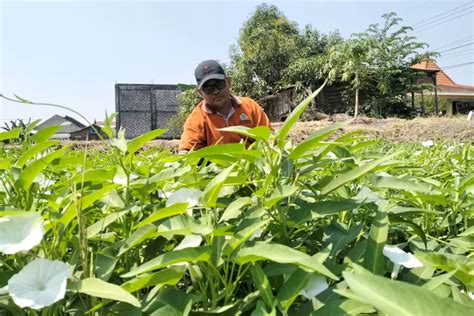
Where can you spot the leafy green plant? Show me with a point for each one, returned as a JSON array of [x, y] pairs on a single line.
[[269, 228]]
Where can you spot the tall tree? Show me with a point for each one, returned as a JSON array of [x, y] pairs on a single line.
[[378, 62], [306, 70], [266, 45], [351, 61]]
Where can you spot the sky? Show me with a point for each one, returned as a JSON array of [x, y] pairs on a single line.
[[74, 52]]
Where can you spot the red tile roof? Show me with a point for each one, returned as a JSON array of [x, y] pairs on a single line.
[[441, 77], [444, 82]]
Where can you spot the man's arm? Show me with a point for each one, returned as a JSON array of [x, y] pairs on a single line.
[[193, 136]]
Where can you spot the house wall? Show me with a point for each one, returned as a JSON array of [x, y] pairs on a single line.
[[142, 108]]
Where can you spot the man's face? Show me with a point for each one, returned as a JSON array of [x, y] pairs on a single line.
[[216, 93]]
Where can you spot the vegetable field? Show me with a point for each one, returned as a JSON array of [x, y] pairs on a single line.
[[347, 226]]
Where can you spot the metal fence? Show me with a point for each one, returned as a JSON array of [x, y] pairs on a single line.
[[144, 107]]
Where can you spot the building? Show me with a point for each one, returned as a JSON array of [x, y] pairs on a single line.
[[145, 107], [72, 129], [69, 125], [461, 97]]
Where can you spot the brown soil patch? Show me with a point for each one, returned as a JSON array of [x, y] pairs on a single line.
[[396, 130], [450, 129]]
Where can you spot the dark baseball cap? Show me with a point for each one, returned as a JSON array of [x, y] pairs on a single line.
[[207, 70]]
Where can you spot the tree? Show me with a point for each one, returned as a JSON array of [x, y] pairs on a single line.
[[306, 71], [378, 62], [266, 45], [351, 61]]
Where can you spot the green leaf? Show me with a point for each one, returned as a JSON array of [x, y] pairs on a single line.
[[292, 287], [344, 307], [295, 115], [98, 288], [173, 302], [435, 282], [280, 192], [235, 208], [463, 266], [259, 132], [169, 276], [5, 164], [310, 211], [138, 142], [390, 182], [95, 175], [374, 260], [217, 151], [211, 192], [33, 151], [416, 228], [95, 228], [261, 310], [196, 254], [352, 175], [173, 209], [314, 140], [13, 133], [85, 202], [140, 235], [29, 174], [465, 242], [262, 284], [399, 298], [281, 254], [104, 263], [45, 134]]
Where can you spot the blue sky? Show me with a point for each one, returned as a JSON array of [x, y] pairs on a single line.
[[73, 52]]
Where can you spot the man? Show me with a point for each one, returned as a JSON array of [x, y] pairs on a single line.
[[218, 109]]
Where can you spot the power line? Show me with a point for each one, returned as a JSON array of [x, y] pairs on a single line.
[[431, 26], [443, 18], [442, 13], [469, 54], [463, 52], [447, 50], [458, 65], [458, 41]]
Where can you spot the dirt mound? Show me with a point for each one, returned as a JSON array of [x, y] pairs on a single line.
[[394, 129]]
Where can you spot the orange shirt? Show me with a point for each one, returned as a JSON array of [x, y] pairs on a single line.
[[200, 129]]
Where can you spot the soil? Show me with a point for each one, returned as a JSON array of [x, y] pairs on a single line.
[[449, 129]]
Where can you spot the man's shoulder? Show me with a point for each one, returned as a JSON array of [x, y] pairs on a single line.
[[196, 116], [197, 111], [249, 102]]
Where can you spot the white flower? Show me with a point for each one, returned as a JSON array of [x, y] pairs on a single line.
[[400, 258], [316, 285], [40, 283], [455, 174], [416, 153], [427, 143], [190, 241], [20, 232], [185, 195]]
